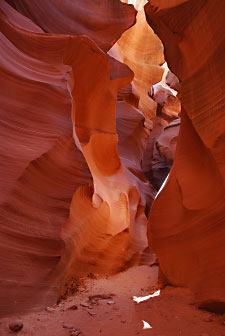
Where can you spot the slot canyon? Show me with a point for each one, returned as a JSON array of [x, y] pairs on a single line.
[[112, 151]]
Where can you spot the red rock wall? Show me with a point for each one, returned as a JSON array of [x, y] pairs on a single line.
[[186, 226], [41, 166], [113, 151], [59, 100], [60, 117], [103, 21]]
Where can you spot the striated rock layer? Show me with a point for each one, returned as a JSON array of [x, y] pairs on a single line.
[[102, 20], [73, 193], [40, 166], [186, 226]]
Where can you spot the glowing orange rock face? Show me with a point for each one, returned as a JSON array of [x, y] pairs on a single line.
[[42, 167], [112, 138], [49, 229], [187, 219], [142, 51]]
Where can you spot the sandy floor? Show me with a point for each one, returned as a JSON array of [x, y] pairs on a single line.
[[169, 313]]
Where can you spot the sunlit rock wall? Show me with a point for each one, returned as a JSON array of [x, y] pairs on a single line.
[[73, 194], [141, 49]]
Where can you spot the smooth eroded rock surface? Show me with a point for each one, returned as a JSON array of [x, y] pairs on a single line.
[[59, 132], [186, 226]]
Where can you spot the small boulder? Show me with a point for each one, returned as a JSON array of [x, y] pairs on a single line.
[[16, 325]]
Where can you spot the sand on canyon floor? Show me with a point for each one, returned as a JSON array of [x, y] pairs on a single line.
[[129, 303]]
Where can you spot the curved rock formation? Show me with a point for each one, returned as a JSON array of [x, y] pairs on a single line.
[[187, 219], [172, 81], [156, 164], [167, 141], [44, 77], [142, 51], [41, 168], [120, 190], [103, 20], [74, 197]]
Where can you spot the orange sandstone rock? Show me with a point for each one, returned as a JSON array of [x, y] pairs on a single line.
[[186, 226], [142, 51], [45, 232]]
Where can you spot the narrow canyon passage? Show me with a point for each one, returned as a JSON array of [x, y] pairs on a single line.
[[112, 194]]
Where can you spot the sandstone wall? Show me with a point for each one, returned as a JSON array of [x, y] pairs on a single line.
[[186, 226]]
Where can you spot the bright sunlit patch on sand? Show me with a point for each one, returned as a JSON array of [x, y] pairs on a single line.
[[146, 325], [144, 298]]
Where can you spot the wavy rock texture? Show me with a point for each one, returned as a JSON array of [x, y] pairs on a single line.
[[41, 168], [142, 51], [187, 219], [102, 20], [74, 195], [120, 190], [48, 231]]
